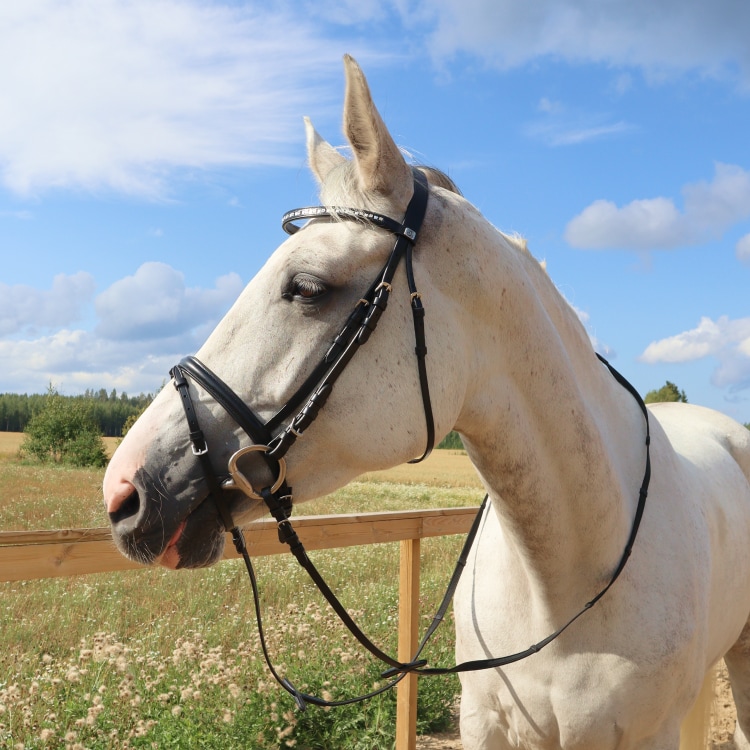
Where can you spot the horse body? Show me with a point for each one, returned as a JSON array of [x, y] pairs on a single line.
[[628, 671], [558, 443]]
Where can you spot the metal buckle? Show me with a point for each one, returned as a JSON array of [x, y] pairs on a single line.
[[200, 452], [238, 481]]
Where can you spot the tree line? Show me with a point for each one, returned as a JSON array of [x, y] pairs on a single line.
[[109, 410]]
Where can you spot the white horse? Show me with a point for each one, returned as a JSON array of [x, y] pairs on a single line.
[[557, 442]]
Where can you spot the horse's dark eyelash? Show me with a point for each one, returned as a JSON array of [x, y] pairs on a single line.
[[304, 287]]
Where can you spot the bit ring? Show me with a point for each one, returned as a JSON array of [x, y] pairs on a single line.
[[238, 481]]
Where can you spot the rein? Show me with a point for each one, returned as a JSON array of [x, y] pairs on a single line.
[[272, 439]]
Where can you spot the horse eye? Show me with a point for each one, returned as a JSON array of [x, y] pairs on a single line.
[[304, 287]]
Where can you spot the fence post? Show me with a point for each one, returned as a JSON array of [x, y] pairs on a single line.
[[408, 640]]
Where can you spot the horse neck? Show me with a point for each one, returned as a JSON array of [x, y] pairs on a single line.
[[558, 443]]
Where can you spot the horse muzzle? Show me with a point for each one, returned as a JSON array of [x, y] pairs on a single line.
[[149, 525]]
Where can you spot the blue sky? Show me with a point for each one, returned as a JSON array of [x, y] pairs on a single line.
[[148, 149]]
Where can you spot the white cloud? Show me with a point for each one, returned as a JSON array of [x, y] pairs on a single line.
[[725, 339], [568, 133], [622, 84], [561, 125], [124, 96], [154, 303], [549, 106], [662, 37], [710, 208], [75, 360], [742, 249], [23, 307], [151, 311], [707, 338], [118, 95]]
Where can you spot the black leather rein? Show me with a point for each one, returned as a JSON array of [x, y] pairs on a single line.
[[272, 439]]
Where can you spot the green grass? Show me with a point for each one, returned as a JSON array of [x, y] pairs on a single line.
[[157, 659]]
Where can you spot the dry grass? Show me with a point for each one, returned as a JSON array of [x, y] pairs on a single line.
[[444, 468], [10, 443]]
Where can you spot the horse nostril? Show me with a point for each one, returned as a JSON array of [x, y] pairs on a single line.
[[128, 507]]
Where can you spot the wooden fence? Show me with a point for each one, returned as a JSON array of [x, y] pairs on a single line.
[[28, 555]]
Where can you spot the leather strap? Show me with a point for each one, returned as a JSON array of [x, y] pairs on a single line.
[[420, 349], [242, 414], [238, 410], [501, 661]]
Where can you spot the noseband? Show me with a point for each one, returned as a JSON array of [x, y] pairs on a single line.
[[274, 437]]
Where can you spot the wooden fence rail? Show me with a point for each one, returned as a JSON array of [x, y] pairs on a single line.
[[29, 555]]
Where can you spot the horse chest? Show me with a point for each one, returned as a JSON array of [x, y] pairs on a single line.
[[574, 710]]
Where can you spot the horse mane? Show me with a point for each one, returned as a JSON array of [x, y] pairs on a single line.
[[439, 178]]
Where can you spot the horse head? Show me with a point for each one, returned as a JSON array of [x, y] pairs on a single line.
[[156, 490]]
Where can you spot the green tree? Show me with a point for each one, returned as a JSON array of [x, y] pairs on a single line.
[[668, 392], [452, 440], [131, 420], [64, 431]]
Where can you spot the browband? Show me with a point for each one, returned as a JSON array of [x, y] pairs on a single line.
[[341, 213]]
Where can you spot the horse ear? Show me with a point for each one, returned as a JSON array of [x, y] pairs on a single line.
[[381, 166], [322, 157]]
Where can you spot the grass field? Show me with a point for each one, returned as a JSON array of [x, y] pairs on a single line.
[[79, 657]]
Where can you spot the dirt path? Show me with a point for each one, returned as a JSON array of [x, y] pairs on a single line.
[[720, 738]]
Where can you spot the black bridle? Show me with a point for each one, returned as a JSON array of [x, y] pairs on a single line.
[[273, 438]]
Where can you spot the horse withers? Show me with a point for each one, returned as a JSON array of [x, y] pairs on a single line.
[[559, 444]]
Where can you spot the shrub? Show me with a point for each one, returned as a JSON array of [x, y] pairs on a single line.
[[64, 432], [452, 440]]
